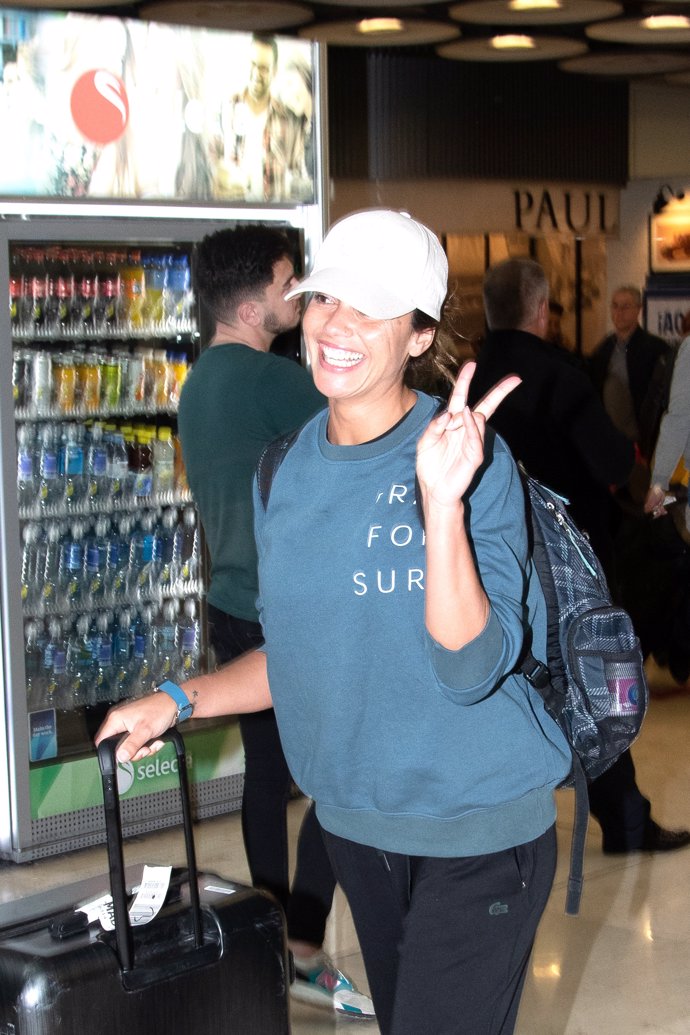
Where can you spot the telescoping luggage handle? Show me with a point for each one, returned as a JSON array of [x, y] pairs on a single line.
[[113, 830]]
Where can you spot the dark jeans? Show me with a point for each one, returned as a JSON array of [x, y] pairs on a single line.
[[446, 942], [267, 790]]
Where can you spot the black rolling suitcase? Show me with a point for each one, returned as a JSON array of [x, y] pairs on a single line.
[[213, 960]]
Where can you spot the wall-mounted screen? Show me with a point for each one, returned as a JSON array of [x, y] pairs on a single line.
[[102, 107]]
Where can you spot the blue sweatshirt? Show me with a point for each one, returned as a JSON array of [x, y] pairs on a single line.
[[403, 744]]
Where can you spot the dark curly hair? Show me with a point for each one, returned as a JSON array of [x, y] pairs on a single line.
[[235, 264], [436, 369]]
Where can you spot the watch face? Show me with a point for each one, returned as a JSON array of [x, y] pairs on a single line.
[[185, 712]]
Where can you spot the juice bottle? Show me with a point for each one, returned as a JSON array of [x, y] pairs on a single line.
[[133, 290], [64, 383], [161, 379], [91, 383]]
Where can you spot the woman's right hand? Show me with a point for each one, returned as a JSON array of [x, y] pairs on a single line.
[[144, 720]]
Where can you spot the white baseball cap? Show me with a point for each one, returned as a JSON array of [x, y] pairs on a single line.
[[383, 263]]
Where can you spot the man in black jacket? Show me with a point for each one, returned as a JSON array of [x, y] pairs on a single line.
[[631, 371], [556, 425]]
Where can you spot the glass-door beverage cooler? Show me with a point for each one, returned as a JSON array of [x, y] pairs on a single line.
[[126, 145], [103, 564]]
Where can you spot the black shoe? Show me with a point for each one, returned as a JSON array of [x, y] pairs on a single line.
[[657, 839]]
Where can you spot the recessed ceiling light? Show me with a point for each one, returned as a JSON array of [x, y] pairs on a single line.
[[511, 41], [657, 22], [380, 25], [534, 5]]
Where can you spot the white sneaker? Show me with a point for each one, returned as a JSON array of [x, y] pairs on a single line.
[[319, 982]]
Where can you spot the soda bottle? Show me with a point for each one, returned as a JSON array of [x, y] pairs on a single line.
[[86, 295], [17, 289], [163, 463], [26, 479], [48, 483], [36, 281], [109, 294]]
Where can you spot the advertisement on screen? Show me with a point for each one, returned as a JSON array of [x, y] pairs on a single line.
[[107, 108]]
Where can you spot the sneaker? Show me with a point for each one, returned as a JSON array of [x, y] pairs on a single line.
[[319, 982]]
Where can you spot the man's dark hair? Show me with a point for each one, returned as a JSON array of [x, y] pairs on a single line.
[[513, 291], [235, 265], [267, 41]]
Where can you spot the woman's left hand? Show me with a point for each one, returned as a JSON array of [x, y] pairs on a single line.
[[451, 449]]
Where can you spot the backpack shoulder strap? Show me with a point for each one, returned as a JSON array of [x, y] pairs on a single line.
[[269, 462]]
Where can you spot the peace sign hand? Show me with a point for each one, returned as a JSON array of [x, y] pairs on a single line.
[[451, 449]]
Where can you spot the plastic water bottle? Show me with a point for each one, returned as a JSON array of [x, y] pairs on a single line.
[[122, 655], [141, 558], [48, 484], [73, 467], [119, 569], [117, 465], [57, 691], [33, 662], [166, 650], [51, 568], [97, 466], [163, 463], [186, 547], [55, 643], [104, 667], [178, 289], [144, 658], [188, 639], [81, 669], [96, 564], [163, 551], [31, 579], [26, 477], [71, 581]]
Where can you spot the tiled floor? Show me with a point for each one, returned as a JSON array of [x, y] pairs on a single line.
[[620, 968]]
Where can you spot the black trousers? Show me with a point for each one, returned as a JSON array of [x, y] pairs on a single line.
[[446, 942], [267, 791], [619, 806]]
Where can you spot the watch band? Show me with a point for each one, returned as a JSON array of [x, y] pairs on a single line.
[[185, 708]]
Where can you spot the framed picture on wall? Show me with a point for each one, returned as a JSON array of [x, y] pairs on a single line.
[[669, 242]]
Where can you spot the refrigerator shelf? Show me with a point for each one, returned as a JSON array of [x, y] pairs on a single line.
[[124, 506], [180, 331], [179, 590]]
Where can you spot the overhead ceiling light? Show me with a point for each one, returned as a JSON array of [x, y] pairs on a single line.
[[658, 22], [632, 30], [534, 5], [625, 66], [539, 48], [380, 25], [389, 32], [511, 41]]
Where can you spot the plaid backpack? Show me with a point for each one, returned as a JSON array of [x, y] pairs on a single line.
[[592, 681]]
